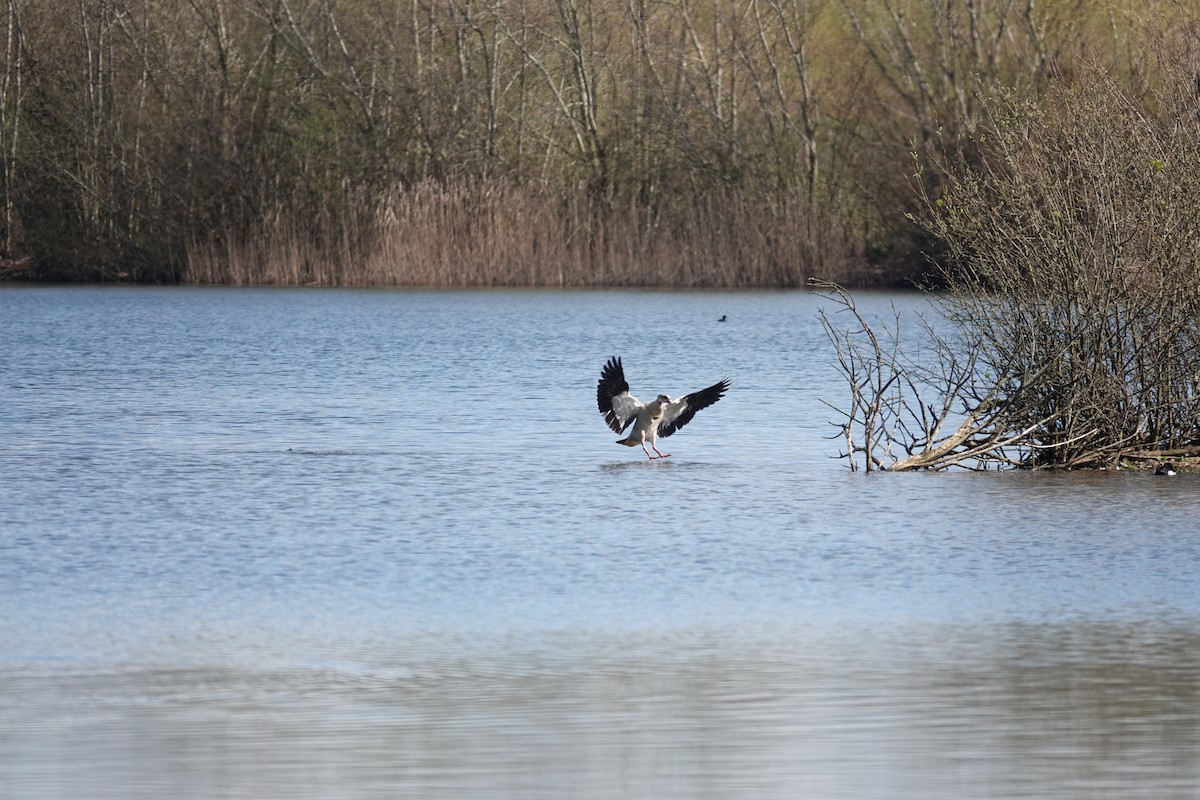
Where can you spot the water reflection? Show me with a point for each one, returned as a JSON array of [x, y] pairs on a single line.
[[1087, 709]]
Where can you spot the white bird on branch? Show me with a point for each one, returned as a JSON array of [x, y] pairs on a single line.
[[660, 417]]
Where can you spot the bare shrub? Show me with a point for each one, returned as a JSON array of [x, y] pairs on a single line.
[[1073, 261]]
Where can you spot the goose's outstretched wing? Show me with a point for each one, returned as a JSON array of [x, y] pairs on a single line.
[[680, 413], [617, 405]]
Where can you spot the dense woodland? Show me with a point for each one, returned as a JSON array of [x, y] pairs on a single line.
[[513, 142]]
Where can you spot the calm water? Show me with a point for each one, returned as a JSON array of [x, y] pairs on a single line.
[[379, 544]]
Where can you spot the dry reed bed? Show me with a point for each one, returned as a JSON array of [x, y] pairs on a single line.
[[475, 234]]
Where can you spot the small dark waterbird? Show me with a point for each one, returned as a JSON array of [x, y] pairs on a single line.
[[660, 417], [1165, 469]]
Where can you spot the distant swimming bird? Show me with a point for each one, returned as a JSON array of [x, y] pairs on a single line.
[[660, 417], [722, 319], [1165, 469]]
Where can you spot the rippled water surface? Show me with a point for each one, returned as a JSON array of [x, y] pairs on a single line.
[[359, 544]]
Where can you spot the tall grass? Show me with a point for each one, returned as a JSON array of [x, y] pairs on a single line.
[[475, 233]]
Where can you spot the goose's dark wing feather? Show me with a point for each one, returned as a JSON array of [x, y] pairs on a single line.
[[680, 412], [617, 405]]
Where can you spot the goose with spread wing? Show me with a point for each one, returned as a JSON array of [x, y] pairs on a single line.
[[660, 417]]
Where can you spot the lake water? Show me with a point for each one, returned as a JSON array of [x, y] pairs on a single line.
[[379, 544]]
